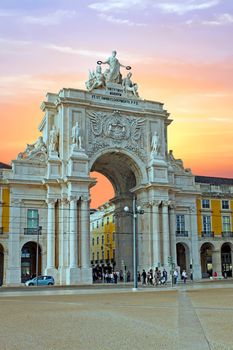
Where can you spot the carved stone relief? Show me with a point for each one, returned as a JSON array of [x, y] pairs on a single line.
[[113, 130]]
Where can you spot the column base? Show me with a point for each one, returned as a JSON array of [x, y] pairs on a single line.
[[73, 276], [13, 277], [196, 272], [52, 271], [86, 273]]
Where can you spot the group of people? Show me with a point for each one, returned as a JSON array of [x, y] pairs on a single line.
[[151, 277]]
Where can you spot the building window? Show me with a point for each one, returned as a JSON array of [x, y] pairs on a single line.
[[226, 224], [207, 223], [102, 240], [108, 254], [102, 222], [32, 218], [107, 220], [225, 204], [97, 240], [114, 254], [93, 256], [97, 224], [205, 203], [93, 241], [102, 255], [98, 255], [180, 223]]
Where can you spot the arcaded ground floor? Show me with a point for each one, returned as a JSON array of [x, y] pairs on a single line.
[[198, 316]]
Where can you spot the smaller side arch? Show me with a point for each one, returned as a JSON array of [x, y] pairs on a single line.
[[29, 261], [1, 264], [206, 257], [226, 259]]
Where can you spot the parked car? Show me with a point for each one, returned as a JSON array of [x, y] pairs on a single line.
[[42, 281]]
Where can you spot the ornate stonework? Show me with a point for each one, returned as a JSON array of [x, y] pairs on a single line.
[[114, 130]]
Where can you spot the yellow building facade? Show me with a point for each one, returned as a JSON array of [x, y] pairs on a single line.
[[215, 225], [102, 235]]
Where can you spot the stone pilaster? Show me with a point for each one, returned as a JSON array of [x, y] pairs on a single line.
[[156, 253], [216, 262], [13, 273], [172, 217], [73, 233], [50, 237], [165, 233], [195, 258], [85, 240]]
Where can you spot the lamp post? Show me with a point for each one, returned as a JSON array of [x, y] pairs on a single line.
[[39, 228], [136, 210]]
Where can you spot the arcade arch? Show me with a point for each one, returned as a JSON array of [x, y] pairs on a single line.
[[183, 256], [206, 252], [226, 259], [28, 260]]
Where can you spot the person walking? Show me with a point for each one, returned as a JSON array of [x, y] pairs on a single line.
[[144, 277], [184, 276], [175, 276]]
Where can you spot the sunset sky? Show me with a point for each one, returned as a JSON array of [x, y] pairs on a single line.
[[181, 54]]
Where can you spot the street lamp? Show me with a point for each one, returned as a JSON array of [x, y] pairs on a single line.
[[38, 232], [136, 210]]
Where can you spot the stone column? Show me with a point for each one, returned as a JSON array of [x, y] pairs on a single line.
[[13, 273], [195, 257], [85, 240], [63, 240], [172, 217], [216, 262], [50, 237], [73, 233], [85, 236], [165, 233], [156, 253]]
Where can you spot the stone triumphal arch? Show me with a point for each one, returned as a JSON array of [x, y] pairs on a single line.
[[106, 128]]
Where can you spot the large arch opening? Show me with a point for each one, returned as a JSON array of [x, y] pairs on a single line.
[[206, 260], [1, 264], [112, 240], [29, 260], [226, 259]]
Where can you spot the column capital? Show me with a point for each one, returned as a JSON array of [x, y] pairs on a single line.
[[172, 205], [165, 203], [51, 201], [73, 198], [85, 198], [192, 209]]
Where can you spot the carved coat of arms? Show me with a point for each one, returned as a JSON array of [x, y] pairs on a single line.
[[109, 130]]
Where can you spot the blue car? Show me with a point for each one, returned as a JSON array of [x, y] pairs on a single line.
[[42, 281]]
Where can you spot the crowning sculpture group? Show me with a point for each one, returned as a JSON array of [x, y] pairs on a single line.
[[98, 79]]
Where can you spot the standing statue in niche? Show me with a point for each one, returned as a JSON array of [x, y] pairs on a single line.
[[76, 136], [113, 75], [155, 143], [129, 86], [53, 139]]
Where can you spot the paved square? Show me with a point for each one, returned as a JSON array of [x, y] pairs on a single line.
[[198, 317]]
